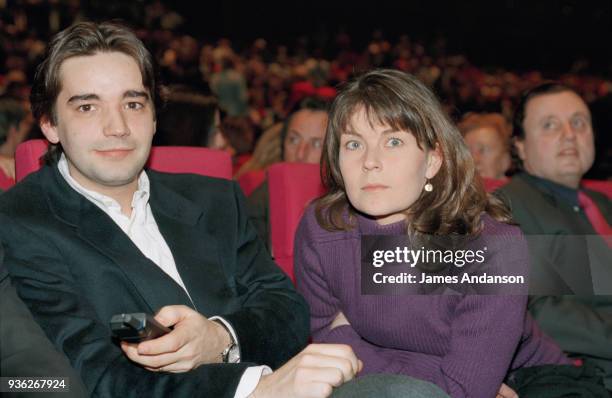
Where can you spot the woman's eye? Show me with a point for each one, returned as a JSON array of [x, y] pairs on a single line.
[[392, 142], [352, 145]]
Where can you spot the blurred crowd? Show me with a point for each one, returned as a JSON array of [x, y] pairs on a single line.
[[263, 82]]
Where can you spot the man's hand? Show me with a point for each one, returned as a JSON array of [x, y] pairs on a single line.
[[312, 373], [194, 341], [7, 166], [506, 392]]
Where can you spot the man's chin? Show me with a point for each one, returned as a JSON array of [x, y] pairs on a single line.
[[118, 180]]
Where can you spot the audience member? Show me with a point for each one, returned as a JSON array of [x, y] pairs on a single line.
[[15, 125], [188, 118], [487, 136], [238, 134], [394, 165], [301, 140], [230, 87], [93, 235], [554, 140]]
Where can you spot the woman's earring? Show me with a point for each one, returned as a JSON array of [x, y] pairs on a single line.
[[428, 187]]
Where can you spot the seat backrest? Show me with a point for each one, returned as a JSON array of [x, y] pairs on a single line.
[[28, 157], [188, 159], [602, 186], [292, 186], [250, 180], [5, 182], [169, 159], [492, 184]]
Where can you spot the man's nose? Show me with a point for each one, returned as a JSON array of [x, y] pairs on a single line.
[[569, 133], [116, 124]]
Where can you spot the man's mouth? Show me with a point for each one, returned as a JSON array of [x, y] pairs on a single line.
[[114, 152], [568, 152]]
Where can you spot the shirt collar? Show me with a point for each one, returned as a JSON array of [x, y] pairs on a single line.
[[141, 196], [566, 194]]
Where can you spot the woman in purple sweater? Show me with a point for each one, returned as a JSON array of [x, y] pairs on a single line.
[[395, 165]]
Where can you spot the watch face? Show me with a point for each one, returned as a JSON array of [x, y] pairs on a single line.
[[233, 356]]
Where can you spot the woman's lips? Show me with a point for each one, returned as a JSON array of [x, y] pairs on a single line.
[[374, 187]]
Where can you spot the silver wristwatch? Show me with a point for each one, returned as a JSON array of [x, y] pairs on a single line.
[[231, 353]]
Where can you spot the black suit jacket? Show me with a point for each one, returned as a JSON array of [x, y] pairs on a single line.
[[75, 268], [25, 351], [581, 322]]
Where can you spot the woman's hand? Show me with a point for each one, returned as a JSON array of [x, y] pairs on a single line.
[[339, 321]]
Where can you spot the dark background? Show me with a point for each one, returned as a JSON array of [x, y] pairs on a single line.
[[548, 35]]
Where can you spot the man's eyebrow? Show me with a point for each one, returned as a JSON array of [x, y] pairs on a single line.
[[83, 97], [581, 113], [136, 94]]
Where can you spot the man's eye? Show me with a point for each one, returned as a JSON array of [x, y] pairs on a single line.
[[85, 108], [551, 125], [317, 143], [579, 123], [135, 105], [393, 142], [293, 140]]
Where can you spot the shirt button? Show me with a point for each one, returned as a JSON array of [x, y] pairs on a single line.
[[576, 209]]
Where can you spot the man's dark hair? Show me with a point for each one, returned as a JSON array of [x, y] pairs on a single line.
[[187, 118], [84, 39], [518, 132], [312, 104]]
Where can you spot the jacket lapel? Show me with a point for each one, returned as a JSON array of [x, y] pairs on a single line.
[[196, 249], [100, 231]]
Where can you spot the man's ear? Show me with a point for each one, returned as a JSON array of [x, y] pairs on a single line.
[[520, 148], [434, 162], [49, 130]]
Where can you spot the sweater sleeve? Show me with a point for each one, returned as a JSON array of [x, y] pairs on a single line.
[[485, 332]]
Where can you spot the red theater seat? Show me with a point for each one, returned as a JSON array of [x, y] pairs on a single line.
[[602, 186], [167, 159], [187, 159], [492, 184], [5, 181], [292, 187], [249, 181], [28, 157]]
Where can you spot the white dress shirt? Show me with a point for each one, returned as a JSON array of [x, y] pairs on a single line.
[[143, 231]]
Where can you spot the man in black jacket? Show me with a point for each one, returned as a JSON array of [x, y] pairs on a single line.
[[570, 256], [91, 235]]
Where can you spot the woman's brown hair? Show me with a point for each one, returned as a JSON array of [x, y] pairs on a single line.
[[402, 102]]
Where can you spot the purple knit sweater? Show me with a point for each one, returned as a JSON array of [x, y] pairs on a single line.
[[464, 344]]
